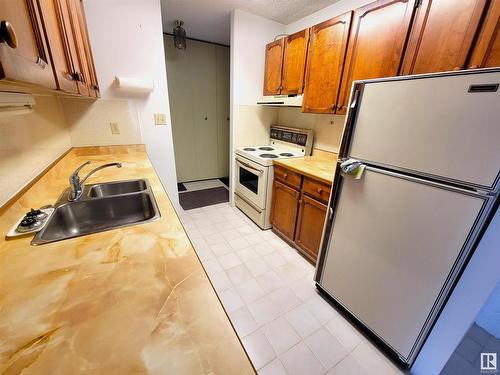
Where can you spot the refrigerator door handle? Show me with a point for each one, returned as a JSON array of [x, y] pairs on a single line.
[[456, 189]]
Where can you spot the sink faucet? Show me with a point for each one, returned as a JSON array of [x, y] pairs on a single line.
[[76, 184]]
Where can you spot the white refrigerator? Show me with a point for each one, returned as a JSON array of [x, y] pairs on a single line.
[[397, 239]]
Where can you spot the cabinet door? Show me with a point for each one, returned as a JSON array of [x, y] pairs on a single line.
[[310, 225], [27, 60], [325, 61], [376, 43], [57, 38], [273, 67], [87, 51], [284, 207], [442, 35], [486, 53], [81, 59], [294, 62]]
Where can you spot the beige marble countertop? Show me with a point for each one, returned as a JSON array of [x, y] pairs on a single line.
[[320, 166], [133, 300]]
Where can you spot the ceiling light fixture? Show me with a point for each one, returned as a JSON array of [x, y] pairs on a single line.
[[179, 35]]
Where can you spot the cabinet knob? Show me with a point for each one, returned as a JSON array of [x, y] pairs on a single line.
[[206, 118], [320, 191], [475, 66], [8, 34], [285, 176], [457, 68]]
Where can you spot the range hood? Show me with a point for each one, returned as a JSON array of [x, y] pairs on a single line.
[[281, 101]]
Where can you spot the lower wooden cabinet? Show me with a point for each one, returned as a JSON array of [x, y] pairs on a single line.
[[310, 225], [284, 208], [299, 209]]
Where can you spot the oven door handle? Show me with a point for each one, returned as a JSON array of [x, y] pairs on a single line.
[[249, 166]]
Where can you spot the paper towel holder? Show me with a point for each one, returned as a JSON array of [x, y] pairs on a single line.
[[134, 85]]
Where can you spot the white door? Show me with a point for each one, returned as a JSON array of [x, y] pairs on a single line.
[[432, 125], [392, 246]]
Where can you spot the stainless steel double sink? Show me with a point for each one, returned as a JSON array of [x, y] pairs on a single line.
[[102, 207]]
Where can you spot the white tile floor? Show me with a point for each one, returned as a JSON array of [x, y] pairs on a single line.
[[267, 289]]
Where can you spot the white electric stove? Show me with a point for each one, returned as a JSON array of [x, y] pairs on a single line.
[[254, 170]]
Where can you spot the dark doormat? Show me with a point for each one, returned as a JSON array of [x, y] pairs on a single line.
[[225, 180], [202, 198]]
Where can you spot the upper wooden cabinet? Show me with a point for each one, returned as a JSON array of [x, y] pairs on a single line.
[[486, 52], [325, 61], [53, 48], [273, 67], [442, 35], [24, 55], [294, 63], [376, 43], [87, 83], [56, 18]]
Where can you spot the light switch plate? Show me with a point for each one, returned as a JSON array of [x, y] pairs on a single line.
[[115, 128], [160, 119]]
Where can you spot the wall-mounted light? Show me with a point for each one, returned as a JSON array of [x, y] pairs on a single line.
[[179, 35]]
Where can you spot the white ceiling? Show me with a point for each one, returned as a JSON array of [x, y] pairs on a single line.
[[210, 19]]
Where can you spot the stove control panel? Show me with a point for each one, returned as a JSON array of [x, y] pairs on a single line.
[[289, 135]]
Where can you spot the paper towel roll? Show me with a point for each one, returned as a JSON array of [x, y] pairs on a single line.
[[137, 85]]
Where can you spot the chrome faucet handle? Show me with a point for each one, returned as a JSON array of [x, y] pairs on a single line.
[[75, 172], [74, 183]]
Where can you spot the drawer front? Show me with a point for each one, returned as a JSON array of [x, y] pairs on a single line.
[[288, 177], [317, 190]]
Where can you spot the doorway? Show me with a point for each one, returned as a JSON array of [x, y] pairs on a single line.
[[198, 88]]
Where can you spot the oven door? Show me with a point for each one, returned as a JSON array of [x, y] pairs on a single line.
[[251, 181]]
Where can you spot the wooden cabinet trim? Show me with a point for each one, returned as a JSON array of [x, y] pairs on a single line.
[[418, 33], [269, 67], [309, 103], [486, 51], [401, 35]]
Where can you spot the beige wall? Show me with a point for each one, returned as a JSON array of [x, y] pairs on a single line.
[[327, 128], [29, 143], [252, 123], [89, 121]]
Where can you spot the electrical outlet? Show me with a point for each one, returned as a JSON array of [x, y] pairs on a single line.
[[160, 119], [115, 128]]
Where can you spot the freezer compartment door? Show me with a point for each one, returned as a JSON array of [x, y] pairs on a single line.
[[391, 248], [445, 126]]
